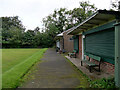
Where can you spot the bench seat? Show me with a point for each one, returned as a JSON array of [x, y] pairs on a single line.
[[89, 63], [92, 64], [72, 54]]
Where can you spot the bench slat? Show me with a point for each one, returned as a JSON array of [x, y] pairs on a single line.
[[89, 63], [94, 57], [85, 61]]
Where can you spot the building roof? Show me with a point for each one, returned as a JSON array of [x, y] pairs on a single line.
[[98, 18], [61, 34]]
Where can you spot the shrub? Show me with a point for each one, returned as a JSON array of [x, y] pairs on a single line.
[[103, 83]]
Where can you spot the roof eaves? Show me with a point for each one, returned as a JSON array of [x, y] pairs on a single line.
[[115, 13], [60, 35], [83, 22], [71, 29]]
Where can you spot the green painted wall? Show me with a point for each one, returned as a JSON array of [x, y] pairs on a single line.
[[101, 43], [76, 43]]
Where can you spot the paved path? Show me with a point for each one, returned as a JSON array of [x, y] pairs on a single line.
[[54, 72]]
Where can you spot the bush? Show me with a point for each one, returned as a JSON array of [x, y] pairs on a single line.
[[103, 83]]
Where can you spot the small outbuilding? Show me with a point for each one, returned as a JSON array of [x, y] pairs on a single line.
[[65, 42]]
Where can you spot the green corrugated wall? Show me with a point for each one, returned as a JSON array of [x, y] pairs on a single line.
[[76, 43], [101, 43]]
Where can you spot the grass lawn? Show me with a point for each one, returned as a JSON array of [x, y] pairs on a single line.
[[16, 62]]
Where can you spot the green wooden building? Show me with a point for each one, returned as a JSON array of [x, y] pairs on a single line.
[[100, 35]]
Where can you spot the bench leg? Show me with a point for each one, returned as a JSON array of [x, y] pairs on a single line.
[[90, 69], [99, 68], [70, 56], [75, 55], [81, 63]]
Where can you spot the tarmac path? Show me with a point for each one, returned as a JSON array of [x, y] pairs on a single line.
[[55, 72]]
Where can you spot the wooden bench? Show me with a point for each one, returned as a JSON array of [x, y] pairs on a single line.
[[73, 54], [92, 64]]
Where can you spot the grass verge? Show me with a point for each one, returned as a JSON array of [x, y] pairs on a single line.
[[12, 77]]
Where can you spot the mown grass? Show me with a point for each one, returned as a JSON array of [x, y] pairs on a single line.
[[16, 62]]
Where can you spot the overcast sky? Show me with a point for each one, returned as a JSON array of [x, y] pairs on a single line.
[[31, 12]]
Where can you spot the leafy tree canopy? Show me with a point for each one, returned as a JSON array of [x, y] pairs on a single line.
[[115, 5], [14, 34]]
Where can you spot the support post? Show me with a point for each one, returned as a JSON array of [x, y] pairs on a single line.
[[82, 47], [0, 53], [117, 54], [83, 38]]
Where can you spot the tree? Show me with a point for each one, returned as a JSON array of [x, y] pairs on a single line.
[[115, 5], [12, 30], [28, 39], [79, 14], [63, 19], [14, 35], [58, 18]]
